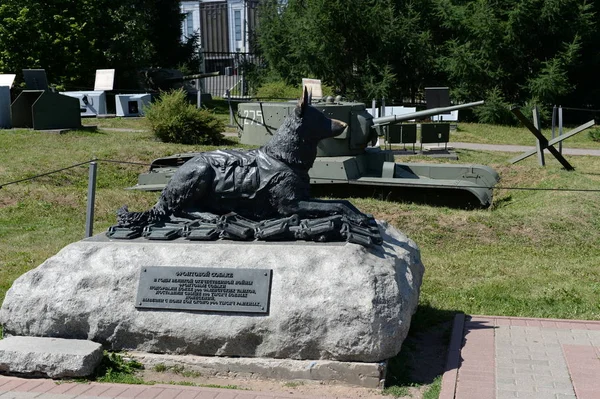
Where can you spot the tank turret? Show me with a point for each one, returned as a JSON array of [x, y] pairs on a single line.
[[257, 122]]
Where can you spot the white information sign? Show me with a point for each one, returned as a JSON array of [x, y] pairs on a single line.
[[105, 79], [315, 86], [7, 79]]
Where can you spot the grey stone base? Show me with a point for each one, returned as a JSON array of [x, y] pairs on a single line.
[[49, 357], [327, 301], [370, 375]]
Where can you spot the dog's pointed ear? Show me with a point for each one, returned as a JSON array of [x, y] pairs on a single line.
[[304, 102]]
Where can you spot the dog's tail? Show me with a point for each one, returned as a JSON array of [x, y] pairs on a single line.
[[138, 219]]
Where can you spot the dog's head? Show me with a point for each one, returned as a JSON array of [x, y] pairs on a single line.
[[315, 124]]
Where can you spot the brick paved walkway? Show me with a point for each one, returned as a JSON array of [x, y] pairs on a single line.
[[508, 357], [21, 388], [490, 357]]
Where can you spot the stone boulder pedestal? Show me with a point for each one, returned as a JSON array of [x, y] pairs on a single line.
[[327, 301]]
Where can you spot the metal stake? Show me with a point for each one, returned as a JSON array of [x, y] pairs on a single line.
[[553, 121], [91, 198], [198, 94], [228, 92], [560, 127], [543, 142], [538, 144]]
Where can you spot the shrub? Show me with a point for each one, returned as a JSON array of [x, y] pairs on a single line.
[[173, 120], [279, 90], [594, 134]]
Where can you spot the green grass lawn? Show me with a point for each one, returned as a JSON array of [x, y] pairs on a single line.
[[532, 253], [119, 122]]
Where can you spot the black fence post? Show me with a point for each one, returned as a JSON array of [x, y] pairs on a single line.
[[91, 198]]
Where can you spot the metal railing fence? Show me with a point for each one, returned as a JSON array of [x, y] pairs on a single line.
[[239, 73]]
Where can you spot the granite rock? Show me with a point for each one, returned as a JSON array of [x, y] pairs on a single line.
[[335, 301], [51, 357]]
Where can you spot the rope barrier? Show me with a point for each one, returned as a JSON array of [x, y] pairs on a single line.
[[585, 190], [581, 109], [46, 173], [127, 162]]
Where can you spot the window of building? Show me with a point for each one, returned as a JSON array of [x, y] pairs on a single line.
[[237, 22], [189, 24]]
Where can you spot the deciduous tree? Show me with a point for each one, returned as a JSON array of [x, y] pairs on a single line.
[[73, 39]]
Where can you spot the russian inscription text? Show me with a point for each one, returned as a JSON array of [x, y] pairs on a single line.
[[197, 288]]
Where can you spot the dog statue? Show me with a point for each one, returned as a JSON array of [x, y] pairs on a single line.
[[268, 182]]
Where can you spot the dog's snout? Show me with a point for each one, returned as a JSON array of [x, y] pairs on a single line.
[[343, 125], [338, 126]]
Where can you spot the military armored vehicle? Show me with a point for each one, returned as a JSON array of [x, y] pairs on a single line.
[[351, 164]]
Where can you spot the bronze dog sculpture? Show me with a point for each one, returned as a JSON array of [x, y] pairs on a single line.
[[268, 182]]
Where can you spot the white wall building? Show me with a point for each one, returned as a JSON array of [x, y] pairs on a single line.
[[223, 26]]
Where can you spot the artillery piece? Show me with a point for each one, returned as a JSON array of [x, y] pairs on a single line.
[[347, 165], [159, 79]]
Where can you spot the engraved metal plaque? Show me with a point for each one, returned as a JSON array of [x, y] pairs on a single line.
[[204, 288]]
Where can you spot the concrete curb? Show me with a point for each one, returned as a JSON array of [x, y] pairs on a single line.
[[450, 375], [368, 375], [536, 322]]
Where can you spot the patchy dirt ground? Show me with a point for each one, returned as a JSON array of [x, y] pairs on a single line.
[[422, 359]]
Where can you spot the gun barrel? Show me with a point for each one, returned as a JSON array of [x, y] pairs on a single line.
[[192, 77], [384, 120]]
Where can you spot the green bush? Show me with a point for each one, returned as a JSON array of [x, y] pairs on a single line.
[[173, 120], [279, 90], [594, 134]]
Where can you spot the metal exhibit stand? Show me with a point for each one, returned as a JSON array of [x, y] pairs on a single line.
[[41, 109], [131, 104], [93, 102], [6, 83], [5, 120]]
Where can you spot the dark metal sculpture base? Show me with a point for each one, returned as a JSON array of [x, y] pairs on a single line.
[[234, 227]]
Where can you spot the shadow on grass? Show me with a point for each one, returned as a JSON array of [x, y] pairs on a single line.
[[423, 355]]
